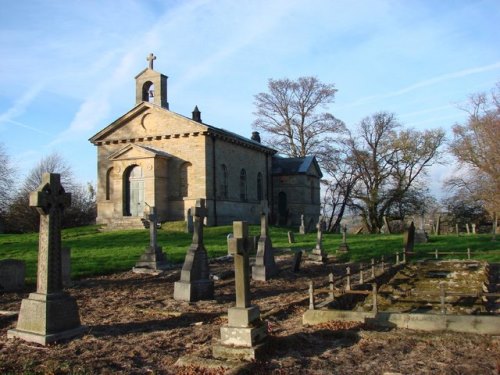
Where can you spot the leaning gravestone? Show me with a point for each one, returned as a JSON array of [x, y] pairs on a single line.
[[409, 239], [195, 283], [12, 273], [265, 266], [318, 254], [152, 259], [343, 247], [245, 336], [49, 314], [302, 228]]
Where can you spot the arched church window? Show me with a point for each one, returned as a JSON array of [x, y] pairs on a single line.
[[224, 187], [243, 185], [184, 179], [260, 190], [148, 89], [109, 184]]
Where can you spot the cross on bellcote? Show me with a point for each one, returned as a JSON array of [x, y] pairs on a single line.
[[151, 57]]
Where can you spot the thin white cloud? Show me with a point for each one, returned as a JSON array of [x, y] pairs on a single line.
[[21, 125], [21, 104]]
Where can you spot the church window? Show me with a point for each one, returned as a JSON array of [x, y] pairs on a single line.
[[224, 188], [260, 190], [243, 185], [109, 184], [148, 89], [184, 179]]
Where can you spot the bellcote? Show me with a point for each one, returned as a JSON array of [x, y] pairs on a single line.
[[151, 86]]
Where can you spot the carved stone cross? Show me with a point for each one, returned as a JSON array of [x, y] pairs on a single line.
[[199, 213], [319, 227], [264, 218], [50, 199], [152, 217], [239, 246], [150, 59]]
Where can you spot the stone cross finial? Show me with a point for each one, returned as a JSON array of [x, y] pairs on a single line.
[[239, 246], [264, 218], [50, 199], [150, 59], [199, 213]]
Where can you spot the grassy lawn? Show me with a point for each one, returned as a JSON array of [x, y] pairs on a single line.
[[97, 253]]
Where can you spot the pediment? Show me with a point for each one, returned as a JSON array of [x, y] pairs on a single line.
[[147, 120], [137, 152]]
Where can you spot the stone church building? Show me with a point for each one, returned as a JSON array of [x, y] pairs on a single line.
[[152, 156]]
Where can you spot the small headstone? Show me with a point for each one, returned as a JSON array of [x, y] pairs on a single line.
[[195, 283], [302, 228], [12, 274], [297, 258], [189, 222], [245, 335], [473, 228], [229, 236], [409, 239], [343, 247], [152, 259], [265, 266], [66, 266], [291, 237], [49, 314], [467, 228], [318, 254]]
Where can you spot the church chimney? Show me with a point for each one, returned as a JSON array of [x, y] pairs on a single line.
[[255, 137], [196, 114]]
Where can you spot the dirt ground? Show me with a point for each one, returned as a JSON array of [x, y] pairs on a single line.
[[134, 326]]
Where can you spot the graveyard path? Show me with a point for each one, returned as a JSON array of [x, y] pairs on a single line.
[[134, 326]]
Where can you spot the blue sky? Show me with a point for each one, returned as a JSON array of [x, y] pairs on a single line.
[[67, 67]]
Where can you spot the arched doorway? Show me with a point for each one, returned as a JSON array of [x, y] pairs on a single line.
[[282, 208], [134, 191]]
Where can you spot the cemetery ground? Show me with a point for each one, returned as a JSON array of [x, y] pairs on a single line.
[[133, 324]]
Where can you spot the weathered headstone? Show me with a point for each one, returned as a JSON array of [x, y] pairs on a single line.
[[409, 239], [302, 228], [318, 254], [291, 237], [473, 228], [421, 236], [66, 266], [265, 266], [189, 222], [229, 236], [49, 314], [245, 336], [12, 274], [343, 247], [152, 259], [297, 258], [467, 228], [195, 283]]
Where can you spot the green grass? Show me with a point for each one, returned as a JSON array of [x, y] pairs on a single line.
[[98, 253]]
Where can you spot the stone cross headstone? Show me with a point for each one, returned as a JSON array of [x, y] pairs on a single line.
[[318, 254], [409, 239], [49, 314], [152, 259], [302, 228], [343, 247], [265, 266], [12, 274], [245, 335], [189, 222], [195, 283]]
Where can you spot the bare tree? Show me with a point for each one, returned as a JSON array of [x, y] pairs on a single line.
[[476, 145], [290, 113], [388, 163], [7, 173]]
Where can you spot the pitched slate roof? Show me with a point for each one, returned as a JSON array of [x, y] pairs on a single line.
[[291, 166]]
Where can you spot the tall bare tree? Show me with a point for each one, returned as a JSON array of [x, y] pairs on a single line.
[[476, 144], [388, 161], [290, 112]]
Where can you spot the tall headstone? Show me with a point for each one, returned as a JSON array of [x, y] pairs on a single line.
[[318, 254], [152, 259], [49, 314], [245, 335], [265, 266], [409, 239], [195, 283], [12, 274], [189, 223], [343, 247], [302, 228]]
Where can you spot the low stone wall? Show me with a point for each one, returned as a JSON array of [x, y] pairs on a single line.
[[481, 324]]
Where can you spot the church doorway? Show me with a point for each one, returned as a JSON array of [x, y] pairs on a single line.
[[282, 208], [134, 191]]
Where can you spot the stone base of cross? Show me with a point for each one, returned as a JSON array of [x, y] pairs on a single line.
[[245, 336]]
